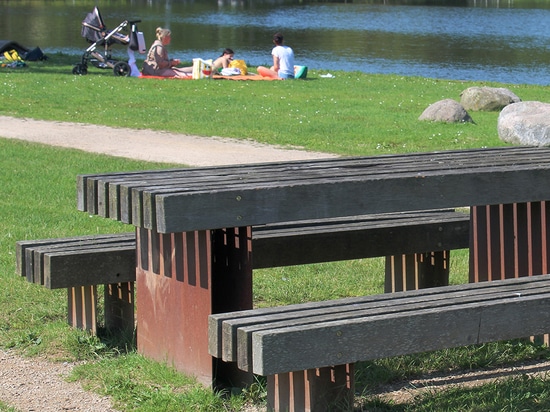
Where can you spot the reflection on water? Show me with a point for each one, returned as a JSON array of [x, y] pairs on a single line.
[[492, 40]]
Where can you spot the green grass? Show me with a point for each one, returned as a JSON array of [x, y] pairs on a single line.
[[352, 114], [6, 408]]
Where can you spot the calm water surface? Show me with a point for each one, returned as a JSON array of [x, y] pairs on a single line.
[[501, 41]]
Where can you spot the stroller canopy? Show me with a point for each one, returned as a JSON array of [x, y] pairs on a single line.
[[94, 30]]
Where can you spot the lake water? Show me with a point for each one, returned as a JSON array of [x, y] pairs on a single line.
[[491, 40]]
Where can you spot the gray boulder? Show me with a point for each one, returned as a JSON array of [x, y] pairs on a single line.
[[487, 99], [447, 110], [525, 123]]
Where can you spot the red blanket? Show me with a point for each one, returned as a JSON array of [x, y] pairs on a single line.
[[250, 76]]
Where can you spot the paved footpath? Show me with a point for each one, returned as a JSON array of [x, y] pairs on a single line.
[[149, 145]]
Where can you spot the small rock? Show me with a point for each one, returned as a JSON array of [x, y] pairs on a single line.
[[447, 110], [488, 99]]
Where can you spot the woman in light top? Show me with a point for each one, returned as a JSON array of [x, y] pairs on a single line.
[[158, 63], [283, 60]]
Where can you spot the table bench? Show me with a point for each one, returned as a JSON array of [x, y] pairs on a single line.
[[418, 257], [194, 226], [308, 350], [80, 264]]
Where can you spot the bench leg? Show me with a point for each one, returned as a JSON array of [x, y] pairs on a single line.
[[510, 241], [119, 306], [82, 304], [417, 271], [314, 390]]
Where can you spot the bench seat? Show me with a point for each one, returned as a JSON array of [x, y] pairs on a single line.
[[75, 260], [80, 264], [280, 341], [416, 244]]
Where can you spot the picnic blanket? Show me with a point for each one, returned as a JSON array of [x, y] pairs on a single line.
[[250, 76]]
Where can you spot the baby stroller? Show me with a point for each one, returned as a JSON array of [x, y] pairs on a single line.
[[101, 39]]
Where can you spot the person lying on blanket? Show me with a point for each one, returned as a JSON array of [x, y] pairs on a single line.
[[158, 63], [223, 61]]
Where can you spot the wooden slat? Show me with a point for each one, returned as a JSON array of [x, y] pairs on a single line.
[[274, 245], [79, 268], [245, 335], [253, 205], [208, 198], [223, 327], [474, 323], [305, 242], [25, 250], [306, 336]]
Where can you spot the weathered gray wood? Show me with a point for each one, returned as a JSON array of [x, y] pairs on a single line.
[[223, 327], [31, 258], [455, 306], [400, 304], [307, 336], [26, 250], [209, 198], [371, 338], [81, 268], [277, 245], [305, 242]]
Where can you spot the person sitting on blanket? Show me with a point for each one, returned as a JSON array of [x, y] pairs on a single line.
[[158, 63], [283, 60], [223, 61]]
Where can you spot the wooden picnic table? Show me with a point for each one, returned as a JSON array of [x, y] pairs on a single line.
[[193, 226]]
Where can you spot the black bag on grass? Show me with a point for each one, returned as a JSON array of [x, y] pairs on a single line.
[[35, 55]]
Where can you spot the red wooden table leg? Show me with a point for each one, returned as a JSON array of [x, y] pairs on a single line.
[[314, 390], [181, 279], [510, 241]]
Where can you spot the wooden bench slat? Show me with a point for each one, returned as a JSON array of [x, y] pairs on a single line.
[[117, 265], [22, 245], [312, 335], [454, 306], [224, 328], [244, 332], [421, 331], [363, 237], [291, 244], [82, 265], [175, 201]]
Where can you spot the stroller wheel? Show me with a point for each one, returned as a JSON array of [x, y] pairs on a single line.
[[121, 69], [80, 69]]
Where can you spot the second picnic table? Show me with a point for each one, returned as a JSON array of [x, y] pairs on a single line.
[[193, 226]]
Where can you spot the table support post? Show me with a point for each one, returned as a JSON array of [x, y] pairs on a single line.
[[119, 306], [417, 271], [181, 279], [322, 389], [509, 241]]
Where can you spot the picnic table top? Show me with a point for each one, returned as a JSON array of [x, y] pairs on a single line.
[[186, 199]]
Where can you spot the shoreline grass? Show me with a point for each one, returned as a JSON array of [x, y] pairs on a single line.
[[352, 114]]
